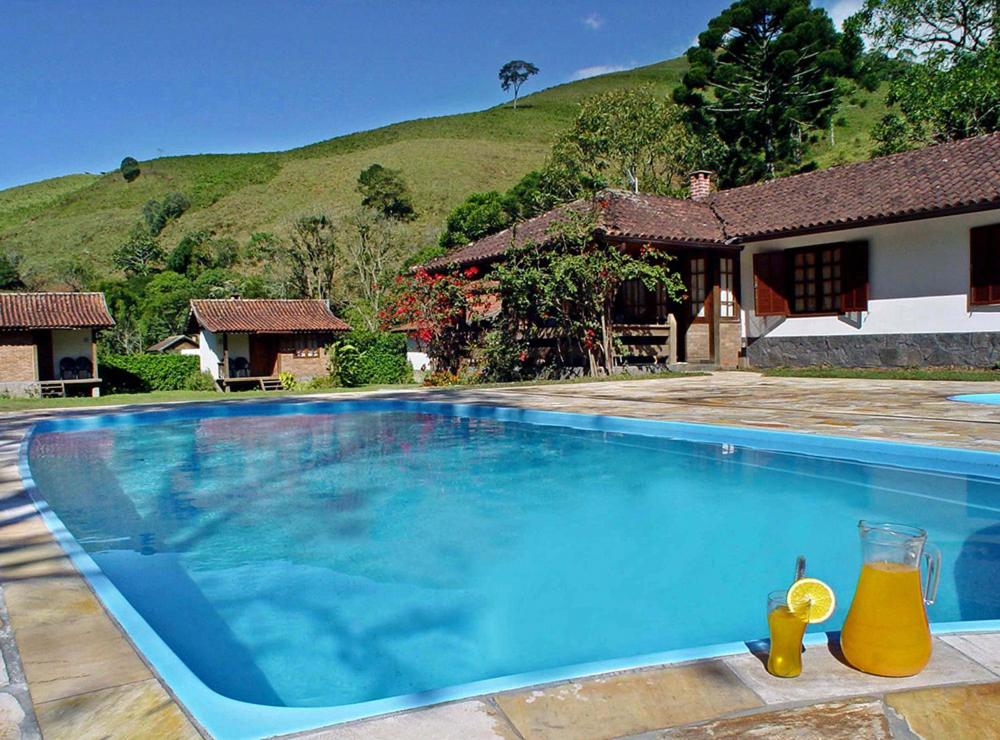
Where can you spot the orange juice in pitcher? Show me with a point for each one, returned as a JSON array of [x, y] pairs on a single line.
[[886, 631]]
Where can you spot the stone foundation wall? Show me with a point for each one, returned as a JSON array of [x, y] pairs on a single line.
[[974, 349]]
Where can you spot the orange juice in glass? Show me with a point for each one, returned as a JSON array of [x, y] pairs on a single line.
[[886, 631], [784, 659]]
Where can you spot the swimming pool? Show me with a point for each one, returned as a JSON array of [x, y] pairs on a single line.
[[287, 565], [992, 399]]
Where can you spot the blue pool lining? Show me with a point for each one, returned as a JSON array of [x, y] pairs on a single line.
[[992, 399], [226, 718]]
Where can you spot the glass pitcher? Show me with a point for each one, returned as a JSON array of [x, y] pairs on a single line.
[[886, 631]]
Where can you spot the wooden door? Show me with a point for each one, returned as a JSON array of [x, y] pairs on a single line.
[[263, 354]]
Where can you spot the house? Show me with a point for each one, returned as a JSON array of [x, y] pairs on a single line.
[[178, 344], [890, 262], [248, 342], [47, 342]]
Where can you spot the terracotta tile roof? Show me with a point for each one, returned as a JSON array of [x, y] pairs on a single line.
[[954, 177], [619, 214], [54, 311], [164, 344], [270, 316], [948, 178]]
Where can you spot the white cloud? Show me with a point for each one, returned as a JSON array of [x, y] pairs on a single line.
[[598, 69], [593, 21], [841, 10]]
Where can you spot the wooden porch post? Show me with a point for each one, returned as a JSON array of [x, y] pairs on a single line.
[[714, 333], [224, 369]]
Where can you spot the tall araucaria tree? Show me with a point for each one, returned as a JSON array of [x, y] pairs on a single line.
[[514, 74], [765, 73]]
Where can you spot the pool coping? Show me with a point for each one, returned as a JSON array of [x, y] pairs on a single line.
[[224, 717]]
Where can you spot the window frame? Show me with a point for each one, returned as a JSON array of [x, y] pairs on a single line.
[[992, 287], [837, 280]]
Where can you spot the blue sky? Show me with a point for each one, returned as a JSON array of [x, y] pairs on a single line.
[[87, 83]]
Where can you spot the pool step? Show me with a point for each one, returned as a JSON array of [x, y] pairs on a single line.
[[270, 384]]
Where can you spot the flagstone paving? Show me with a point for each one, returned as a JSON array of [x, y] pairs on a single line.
[[86, 680]]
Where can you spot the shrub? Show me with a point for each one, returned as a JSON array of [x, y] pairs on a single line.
[[287, 380], [144, 373], [129, 169], [370, 357], [442, 377], [199, 381]]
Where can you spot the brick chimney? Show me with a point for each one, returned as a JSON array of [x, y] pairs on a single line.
[[701, 184]]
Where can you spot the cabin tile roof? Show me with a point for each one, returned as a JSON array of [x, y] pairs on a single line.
[[956, 177], [947, 178], [23, 311], [265, 316]]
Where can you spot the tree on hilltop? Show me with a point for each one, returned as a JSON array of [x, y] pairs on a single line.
[[514, 73]]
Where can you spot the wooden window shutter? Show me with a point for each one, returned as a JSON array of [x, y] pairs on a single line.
[[770, 296], [984, 265], [854, 282]]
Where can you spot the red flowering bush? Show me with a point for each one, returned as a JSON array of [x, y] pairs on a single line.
[[432, 308]]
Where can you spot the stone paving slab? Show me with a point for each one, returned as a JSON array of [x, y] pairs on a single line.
[[626, 703], [952, 713], [136, 710], [861, 718], [466, 720], [984, 648], [826, 676]]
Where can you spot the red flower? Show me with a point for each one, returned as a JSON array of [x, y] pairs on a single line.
[[471, 272]]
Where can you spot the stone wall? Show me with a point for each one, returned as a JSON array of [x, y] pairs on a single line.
[[17, 357], [973, 349]]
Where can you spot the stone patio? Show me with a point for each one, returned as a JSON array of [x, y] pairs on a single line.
[[86, 680]]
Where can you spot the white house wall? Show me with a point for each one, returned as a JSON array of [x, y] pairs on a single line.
[[918, 273], [209, 352]]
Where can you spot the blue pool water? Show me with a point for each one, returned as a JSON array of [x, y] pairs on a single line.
[[988, 398], [317, 555]]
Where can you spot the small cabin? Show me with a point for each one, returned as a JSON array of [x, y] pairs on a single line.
[[178, 344], [48, 342], [246, 343]]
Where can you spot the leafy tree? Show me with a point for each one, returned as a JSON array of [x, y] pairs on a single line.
[[514, 74], [10, 271], [157, 213], [164, 305], [946, 82], [77, 271], [568, 287], [140, 254], [630, 138], [763, 73], [129, 169], [218, 282], [383, 190], [373, 252], [306, 261], [916, 28], [479, 215]]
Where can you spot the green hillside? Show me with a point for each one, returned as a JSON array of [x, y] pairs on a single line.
[[442, 159]]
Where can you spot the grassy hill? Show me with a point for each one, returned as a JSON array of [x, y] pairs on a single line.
[[443, 159]]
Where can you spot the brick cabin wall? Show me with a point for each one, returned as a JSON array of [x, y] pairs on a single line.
[[302, 368], [17, 357], [699, 348]]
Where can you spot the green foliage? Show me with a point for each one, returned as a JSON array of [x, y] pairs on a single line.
[[129, 169], [309, 255], [480, 215], [200, 250], [913, 28], [140, 254], [514, 74], [383, 190], [165, 304], [370, 358], [158, 213], [941, 99], [633, 139], [199, 381], [76, 270], [10, 271], [762, 75], [566, 288], [143, 373], [287, 380]]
